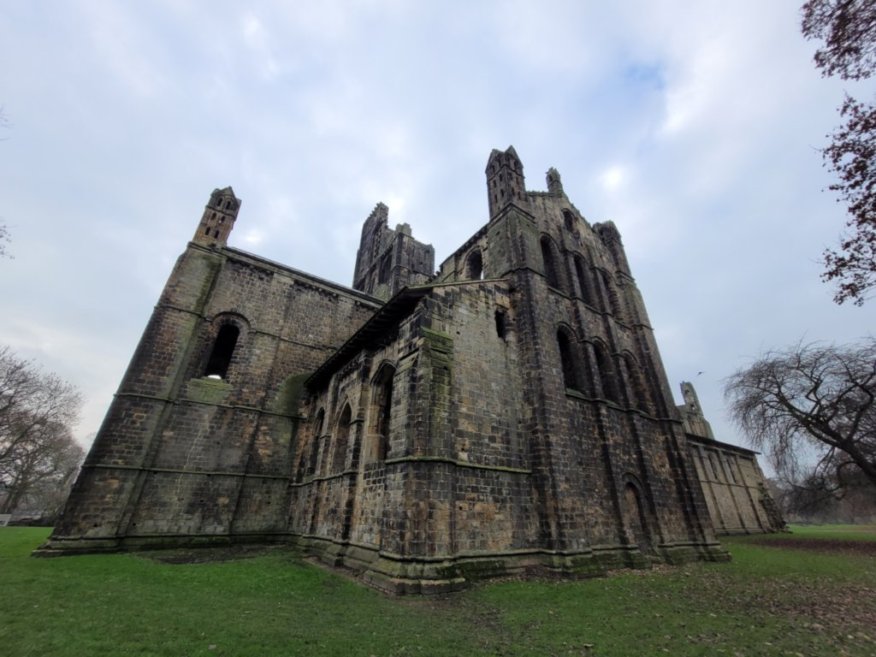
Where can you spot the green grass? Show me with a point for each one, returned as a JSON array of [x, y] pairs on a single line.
[[767, 601], [839, 532]]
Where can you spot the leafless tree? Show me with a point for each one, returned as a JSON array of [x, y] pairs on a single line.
[[37, 449], [812, 404], [847, 30]]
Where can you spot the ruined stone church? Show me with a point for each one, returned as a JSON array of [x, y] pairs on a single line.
[[507, 414]]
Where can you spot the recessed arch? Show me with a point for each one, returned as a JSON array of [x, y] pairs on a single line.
[[315, 439], [222, 352], [569, 220], [549, 259], [568, 360], [634, 515], [607, 376], [632, 374], [613, 300], [474, 265], [342, 439], [581, 271], [381, 409]]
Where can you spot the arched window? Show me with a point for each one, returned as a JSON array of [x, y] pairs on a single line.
[[636, 390], [342, 439], [606, 373], [583, 281], [568, 220], [315, 441], [223, 350], [614, 302], [501, 324], [567, 360], [381, 410], [550, 265], [474, 266]]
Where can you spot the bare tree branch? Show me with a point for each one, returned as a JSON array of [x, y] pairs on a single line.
[[816, 398]]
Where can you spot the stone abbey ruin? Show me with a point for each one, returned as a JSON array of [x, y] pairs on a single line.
[[507, 414]]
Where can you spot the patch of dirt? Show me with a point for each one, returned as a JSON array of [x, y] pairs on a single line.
[[863, 548]]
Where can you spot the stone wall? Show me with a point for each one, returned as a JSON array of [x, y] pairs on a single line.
[[182, 454]]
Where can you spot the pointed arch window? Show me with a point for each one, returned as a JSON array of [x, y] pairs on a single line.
[[223, 350]]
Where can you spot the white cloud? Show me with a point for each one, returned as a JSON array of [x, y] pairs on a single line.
[[691, 125]]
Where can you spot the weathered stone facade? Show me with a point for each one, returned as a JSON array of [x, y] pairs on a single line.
[[509, 413], [732, 481]]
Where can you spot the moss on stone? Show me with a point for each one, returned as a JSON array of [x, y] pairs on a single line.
[[208, 391], [289, 395]]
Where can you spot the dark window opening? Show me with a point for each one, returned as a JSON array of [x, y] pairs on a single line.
[[606, 373], [228, 205], [206, 230], [570, 378], [569, 220], [474, 266], [550, 268], [583, 282], [501, 325], [223, 350]]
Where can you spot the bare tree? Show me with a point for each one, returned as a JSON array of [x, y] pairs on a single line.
[[847, 29], [812, 408], [37, 449]]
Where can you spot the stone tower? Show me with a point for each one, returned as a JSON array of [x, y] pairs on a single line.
[[389, 260], [218, 219]]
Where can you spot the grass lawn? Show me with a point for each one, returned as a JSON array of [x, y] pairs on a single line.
[[770, 600]]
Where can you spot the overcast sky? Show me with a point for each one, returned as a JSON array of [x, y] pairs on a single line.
[[694, 126]]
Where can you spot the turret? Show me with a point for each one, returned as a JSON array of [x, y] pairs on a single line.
[[554, 183], [505, 181], [219, 216]]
